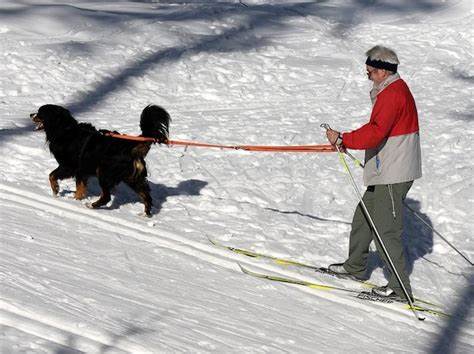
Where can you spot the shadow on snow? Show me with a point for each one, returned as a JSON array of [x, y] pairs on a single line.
[[446, 339], [159, 193]]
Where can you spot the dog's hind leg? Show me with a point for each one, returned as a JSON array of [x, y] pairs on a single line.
[[58, 174], [142, 188], [103, 199], [106, 184], [81, 188]]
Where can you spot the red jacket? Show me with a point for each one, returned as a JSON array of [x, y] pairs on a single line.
[[393, 114], [391, 137]]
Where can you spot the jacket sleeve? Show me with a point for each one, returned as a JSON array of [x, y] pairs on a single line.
[[384, 115]]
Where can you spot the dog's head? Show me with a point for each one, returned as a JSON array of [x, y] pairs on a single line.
[[51, 117]]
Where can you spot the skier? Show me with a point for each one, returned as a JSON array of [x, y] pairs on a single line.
[[392, 162]]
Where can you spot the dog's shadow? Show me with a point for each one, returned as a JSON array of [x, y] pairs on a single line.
[[159, 193], [417, 241]]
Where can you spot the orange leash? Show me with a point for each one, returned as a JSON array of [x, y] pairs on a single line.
[[263, 148]]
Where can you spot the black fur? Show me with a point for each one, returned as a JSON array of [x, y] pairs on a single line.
[[82, 151]]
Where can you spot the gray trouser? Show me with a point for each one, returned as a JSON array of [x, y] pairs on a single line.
[[385, 205]]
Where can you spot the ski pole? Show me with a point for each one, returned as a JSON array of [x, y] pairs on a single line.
[[353, 158], [437, 233], [372, 224]]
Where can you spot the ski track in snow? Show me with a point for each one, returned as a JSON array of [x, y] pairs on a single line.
[[39, 324], [43, 326]]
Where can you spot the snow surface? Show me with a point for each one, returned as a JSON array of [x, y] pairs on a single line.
[[262, 72]]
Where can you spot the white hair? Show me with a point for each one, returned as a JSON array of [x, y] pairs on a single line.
[[383, 54]]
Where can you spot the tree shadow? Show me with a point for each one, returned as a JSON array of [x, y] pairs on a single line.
[[446, 339], [245, 36], [253, 17], [468, 117], [462, 75], [346, 17], [239, 38], [417, 240], [7, 133]]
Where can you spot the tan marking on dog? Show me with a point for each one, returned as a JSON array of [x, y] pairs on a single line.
[[138, 168], [81, 190], [54, 185]]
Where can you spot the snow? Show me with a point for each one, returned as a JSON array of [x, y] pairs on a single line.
[[268, 73]]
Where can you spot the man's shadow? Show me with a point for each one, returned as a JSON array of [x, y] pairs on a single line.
[[417, 240], [159, 192]]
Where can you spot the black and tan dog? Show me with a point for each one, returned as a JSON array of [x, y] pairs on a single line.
[[83, 151]]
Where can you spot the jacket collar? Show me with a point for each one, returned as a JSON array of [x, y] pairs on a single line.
[[376, 89]]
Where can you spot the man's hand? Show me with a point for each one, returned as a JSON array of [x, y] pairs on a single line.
[[333, 136]]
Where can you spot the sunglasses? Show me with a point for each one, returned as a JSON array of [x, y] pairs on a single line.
[[369, 72]]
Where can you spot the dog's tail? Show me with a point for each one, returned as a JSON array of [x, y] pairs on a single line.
[[154, 123]]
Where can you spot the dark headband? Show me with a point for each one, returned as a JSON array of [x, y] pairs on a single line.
[[379, 64]]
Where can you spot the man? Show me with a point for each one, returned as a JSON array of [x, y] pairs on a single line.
[[392, 162]]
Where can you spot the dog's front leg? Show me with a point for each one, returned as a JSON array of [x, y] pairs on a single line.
[[58, 174]]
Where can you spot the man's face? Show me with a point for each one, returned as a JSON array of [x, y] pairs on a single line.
[[376, 75]]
